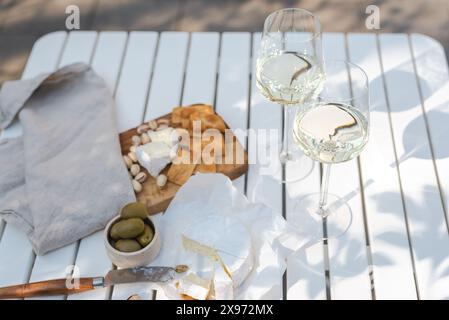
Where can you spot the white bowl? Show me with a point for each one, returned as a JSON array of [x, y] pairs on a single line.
[[137, 258]]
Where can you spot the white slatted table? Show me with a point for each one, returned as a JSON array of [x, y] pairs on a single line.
[[398, 244]]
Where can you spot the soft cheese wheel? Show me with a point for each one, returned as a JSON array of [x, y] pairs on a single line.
[[226, 236]]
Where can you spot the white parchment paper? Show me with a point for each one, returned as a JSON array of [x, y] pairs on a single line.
[[214, 194]]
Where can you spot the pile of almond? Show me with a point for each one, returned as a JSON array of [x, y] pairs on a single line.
[[134, 169]]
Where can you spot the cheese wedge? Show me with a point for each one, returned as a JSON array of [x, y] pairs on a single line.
[[167, 136], [222, 239], [154, 156], [194, 287]]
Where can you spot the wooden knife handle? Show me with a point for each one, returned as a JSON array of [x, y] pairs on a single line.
[[45, 288]]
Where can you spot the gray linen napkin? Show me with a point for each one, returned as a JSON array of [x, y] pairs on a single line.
[[64, 178]]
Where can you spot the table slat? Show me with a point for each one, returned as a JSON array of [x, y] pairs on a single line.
[[79, 47], [201, 68], [132, 89], [306, 268], [45, 54], [428, 230], [166, 89], [392, 262]]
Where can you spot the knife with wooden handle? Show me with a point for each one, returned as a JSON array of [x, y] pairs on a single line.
[[45, 288], [67, 286]]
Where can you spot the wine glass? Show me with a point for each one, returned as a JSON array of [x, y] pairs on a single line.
[[333, 129], [289, 72]]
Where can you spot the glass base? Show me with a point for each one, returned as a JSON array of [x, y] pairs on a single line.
[[289, 168], [297, 167], [332, 222]]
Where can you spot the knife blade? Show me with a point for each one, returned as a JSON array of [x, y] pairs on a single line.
[[139, 274]]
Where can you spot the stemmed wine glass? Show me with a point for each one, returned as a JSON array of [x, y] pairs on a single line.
[[289, 72], [333, 129]]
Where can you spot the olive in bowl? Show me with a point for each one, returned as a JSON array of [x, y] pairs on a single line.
[[132, 238]]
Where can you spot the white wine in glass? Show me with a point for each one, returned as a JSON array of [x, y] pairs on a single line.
[[331, 132], [289, 72], [333, 129], [289, 78]]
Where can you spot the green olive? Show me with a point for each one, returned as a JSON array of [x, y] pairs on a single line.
[[113, 233], [134, 210], [127, 245], [127, 229], [146, 237]]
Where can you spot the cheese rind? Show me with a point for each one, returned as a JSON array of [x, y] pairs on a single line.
[[200, 248], [222, 286], [224, 239]]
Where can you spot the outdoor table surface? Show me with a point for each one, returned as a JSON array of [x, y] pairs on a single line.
[[398, 244]]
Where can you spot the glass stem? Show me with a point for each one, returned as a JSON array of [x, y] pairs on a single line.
[[285, 152], [324, 190]]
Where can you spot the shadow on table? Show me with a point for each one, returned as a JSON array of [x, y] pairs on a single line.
[[428, 237], [431, 84], [427, 228], [417, 145], [415, 138]]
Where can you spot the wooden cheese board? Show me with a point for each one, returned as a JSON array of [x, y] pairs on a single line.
[[157, 199]]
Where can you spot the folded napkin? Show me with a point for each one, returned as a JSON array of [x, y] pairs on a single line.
[[64, 178]]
